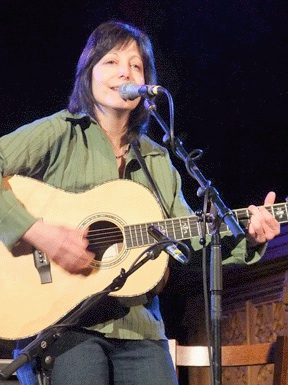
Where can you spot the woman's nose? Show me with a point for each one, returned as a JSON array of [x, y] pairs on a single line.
[[124, 71]]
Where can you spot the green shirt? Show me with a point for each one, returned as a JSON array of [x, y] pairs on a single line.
[[77, 159]]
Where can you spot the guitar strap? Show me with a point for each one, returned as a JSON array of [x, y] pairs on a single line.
[[85, 122], [135, 145], [150, 295]]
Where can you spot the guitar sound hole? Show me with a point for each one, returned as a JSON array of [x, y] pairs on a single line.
[[105, 241]]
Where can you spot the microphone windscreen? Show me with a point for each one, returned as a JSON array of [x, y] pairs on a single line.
[[129, 91]]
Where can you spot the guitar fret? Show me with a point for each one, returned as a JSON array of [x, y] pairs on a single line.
[[131, 236], [134, 237], [177, 230], [173, 227], [127, 236], [138, 235], [146, 240], [169, 224], [163, 227]]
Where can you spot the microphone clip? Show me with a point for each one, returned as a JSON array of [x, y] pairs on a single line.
[[168, 245]]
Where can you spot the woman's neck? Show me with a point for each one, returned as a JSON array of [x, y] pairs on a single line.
[[115, 127]]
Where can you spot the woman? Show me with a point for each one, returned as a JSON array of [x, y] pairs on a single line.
[[86, 145]]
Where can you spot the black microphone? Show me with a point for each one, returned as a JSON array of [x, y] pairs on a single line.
[[131, 90], [168, 244]]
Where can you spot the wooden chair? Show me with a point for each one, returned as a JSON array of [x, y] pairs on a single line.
[[238, 355]]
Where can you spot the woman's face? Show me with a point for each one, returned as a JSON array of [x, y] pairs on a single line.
[[118, 66]]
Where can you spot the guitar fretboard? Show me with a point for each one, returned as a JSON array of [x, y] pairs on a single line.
[[189, 227]]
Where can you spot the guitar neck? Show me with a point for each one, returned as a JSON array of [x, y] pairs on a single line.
[[189, 227]]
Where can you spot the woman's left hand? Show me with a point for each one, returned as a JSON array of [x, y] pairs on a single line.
[[263, 226]]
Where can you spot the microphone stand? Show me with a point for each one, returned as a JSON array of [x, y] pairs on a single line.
[[39, 347], [226, 215]]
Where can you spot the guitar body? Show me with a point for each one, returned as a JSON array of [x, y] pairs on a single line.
[[29, 306]]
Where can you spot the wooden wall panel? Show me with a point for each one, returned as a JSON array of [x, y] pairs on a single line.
[[254, 310]]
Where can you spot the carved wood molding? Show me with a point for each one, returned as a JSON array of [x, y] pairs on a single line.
[[266, 280], [266, 284]]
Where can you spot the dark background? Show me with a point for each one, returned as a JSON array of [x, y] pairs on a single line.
[[224, 62]]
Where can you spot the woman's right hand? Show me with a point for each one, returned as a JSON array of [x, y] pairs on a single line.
[[64, 246]]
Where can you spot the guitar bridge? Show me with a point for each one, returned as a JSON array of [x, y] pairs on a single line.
[[42, 265]]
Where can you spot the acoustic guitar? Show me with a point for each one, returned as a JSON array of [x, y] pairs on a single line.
[[36, 293]]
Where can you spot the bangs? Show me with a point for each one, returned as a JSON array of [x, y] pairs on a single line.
[[116, 36]]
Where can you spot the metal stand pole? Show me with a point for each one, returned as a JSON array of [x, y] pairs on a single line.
[[216, 288]]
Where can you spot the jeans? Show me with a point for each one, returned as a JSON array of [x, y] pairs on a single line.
[[26, 374], [88, 358]]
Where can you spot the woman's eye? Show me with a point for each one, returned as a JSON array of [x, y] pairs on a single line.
[[136, 66], [110, 61]]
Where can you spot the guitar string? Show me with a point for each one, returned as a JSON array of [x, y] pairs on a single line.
[[175, 225], [101, 237]]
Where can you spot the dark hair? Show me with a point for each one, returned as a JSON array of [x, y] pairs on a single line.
[[105, 37]]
